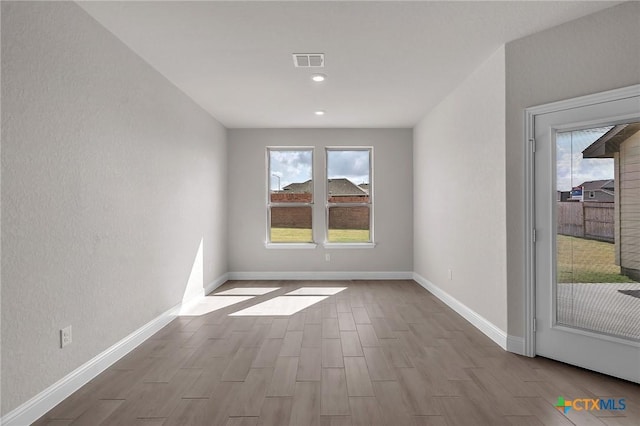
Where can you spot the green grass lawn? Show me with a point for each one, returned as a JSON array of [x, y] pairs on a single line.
[[291, 235], [587, 261], [348, 235], [295, 235]]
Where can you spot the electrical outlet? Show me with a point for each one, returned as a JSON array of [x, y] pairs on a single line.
[[65, 336], [327, 257], [450, 274]]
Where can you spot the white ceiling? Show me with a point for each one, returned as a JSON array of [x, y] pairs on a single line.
[[387, 63]]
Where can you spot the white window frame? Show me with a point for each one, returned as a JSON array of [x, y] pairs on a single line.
[[359, 245], [269, 205]]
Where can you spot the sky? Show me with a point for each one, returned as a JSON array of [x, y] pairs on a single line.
[[572, 170], [353, 165], [290, 167], [295, 167]]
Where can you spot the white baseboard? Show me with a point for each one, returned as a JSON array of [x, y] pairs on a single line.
[[477, 320], [316, 275], [216, 283], [37, 406]]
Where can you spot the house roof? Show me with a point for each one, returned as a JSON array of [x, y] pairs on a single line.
[[609, 143], [340, 187], [365, 187], [299, 187], [594, 185]]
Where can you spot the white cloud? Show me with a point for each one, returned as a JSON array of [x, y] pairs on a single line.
[[290, 167], [353, 165], [571, 169]]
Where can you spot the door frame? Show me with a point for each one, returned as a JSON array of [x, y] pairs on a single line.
[[529, 196]]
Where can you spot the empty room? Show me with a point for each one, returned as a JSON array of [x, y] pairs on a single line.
[[320, 213]]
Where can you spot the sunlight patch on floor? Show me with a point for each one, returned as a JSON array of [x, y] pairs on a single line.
[[251, 291], [210, 304], [281, 305], [306, 291]]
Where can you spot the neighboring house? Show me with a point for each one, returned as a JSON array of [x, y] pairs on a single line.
[[343, 190], [563, 196], [598, 191], [299, 188], [298, 192], [622, 143], [364, 187], [340, 190]]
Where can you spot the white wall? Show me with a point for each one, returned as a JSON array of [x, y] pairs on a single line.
[[596, 53], [458, 194], [111, 177], [247, 195]]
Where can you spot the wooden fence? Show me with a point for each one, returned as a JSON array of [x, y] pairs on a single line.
[[587, 220], [354, 217]]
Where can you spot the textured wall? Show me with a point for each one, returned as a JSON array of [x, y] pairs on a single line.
[[458, 193], [393, 208], [596, 53], [111, 178]]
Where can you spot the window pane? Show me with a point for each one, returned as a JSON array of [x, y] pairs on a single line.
[[349, 224], [596, 237], [348, 174], [290, 176], [291, 225]]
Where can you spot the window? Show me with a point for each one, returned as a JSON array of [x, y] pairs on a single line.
[[592, 194], [349, 201], [290, 196]]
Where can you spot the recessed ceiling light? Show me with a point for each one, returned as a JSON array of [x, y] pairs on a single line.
[[319, 112], [318, 77]]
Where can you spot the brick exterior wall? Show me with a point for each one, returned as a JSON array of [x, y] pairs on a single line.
[[349, 199], [300, 217], [291, 217], [285, 197], [349, 218]]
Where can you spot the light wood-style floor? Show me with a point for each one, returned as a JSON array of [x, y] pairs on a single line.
[[377, 353]]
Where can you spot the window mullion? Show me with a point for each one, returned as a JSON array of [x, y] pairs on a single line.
[[290, 204], [348, 204]]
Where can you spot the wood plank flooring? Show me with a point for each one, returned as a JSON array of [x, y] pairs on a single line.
[[376, 353]]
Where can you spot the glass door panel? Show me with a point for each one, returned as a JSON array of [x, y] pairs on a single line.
[[596, 289]]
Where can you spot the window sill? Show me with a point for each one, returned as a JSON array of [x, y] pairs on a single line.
[[296, 246], [349, 245]]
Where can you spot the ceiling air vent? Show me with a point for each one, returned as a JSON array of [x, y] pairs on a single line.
[[308, 60]]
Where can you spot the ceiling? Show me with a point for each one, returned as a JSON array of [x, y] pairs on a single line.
[[387, 63]]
